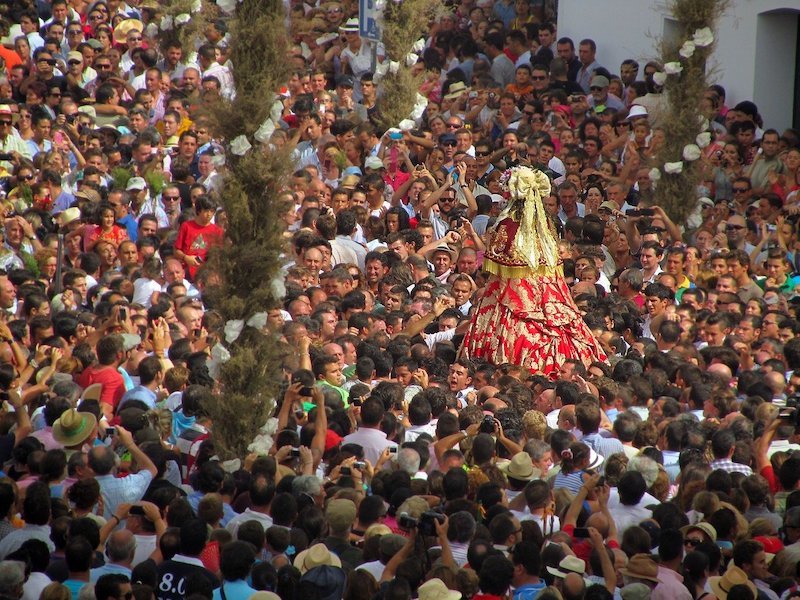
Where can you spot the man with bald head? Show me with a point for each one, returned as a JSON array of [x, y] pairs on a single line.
[[174, 272], [120, 550]]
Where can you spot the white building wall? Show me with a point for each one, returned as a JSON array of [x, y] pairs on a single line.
[[752, 33]]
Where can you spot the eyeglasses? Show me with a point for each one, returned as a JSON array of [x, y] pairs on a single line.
[[26, 177], [96, 18], [538, 77], [740, 190], [74, 62], [75, 32], [335, 10], [135, 39], [734, 227], [55, 94]]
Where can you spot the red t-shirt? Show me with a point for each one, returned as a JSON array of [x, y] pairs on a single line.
[[195, 240], [111, 380]]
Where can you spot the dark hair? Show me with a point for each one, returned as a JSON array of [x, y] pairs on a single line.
[[236, 560]]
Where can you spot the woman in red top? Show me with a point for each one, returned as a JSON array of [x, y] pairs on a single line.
[[197, 236]]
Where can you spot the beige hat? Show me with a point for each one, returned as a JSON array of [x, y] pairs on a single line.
[[733, 576], [92, 392], [442, 248], [706, 528], [74, 55], [456, 89], [73, 427], [642, 566], [521, 468], [340, 514], [265, 596], [69, 216], [569, 564], [122, 30], [316, 556], [435, 589]]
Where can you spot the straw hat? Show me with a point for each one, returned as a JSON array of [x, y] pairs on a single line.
[[316, 556], [569, 564], [73, 427], [733, 576], [125, 27], [435, 589], [456, 89], [706, 528], [642, 566], [521, 468]]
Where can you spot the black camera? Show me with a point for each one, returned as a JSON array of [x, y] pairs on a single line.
[[427, 522], [487, 425], [406, 521]]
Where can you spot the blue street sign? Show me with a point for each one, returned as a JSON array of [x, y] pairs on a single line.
[[368, 15]]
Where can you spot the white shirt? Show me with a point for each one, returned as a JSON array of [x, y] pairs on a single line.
[[373, 441], [248, 515]]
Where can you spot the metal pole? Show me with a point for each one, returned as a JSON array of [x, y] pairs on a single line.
[[374, 56], [60, 263]]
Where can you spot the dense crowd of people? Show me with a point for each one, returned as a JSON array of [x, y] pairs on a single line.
[[396, 468]]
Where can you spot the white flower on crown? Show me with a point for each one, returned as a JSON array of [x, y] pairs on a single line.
[[691, 152], [659, 78], [673, 68], [240, 146], [182, 19], [227, 6], [411, 59], [197, 6], [166, 23], [654, 174], [673, 168], [278, 287], [703, 37], [151, 30], [703, 139], [418, 46], [687, 50]]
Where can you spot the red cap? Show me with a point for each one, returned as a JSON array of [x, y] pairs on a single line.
[[332, 439], [772, 545]]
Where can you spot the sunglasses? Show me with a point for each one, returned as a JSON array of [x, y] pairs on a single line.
[[692, 542], [5, 122], [449, 144], [596, 88], [26, 177], [482, 153], [74, 62], [75, 32], [740, 190], [538, 78], [447, 199], [102, 66], [49, 61], [453, 125], [171, 198], [135, 39]]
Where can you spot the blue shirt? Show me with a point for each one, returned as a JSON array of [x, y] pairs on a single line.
[[139, 392], [130, 225], [529, 591], [227, 512], [234, 590], [109, 569]]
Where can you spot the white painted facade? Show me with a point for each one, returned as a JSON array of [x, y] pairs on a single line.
[[755, 58]]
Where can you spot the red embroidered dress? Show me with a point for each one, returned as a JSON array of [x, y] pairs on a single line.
[[526, 315]]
